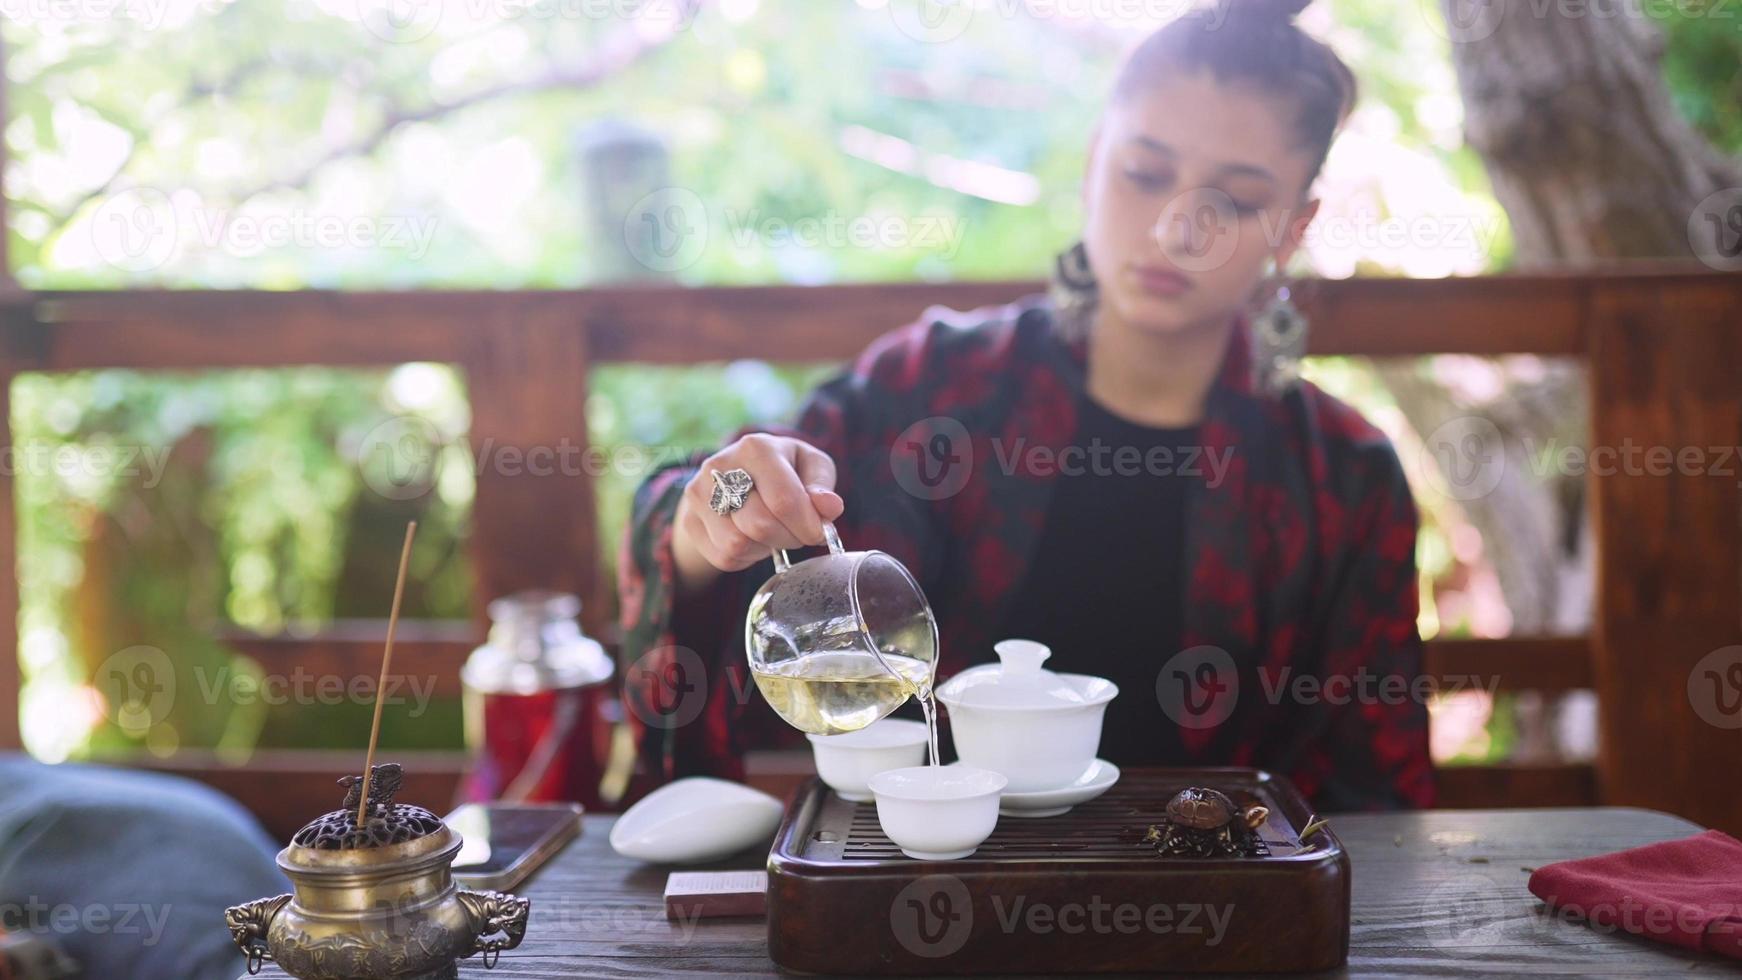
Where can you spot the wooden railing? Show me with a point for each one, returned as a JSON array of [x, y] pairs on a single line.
[[1662, 346]]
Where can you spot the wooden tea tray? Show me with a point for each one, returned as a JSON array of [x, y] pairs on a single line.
[[1077, 893]]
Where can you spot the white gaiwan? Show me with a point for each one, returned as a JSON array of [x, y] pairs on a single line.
[[694, 821], [1037, 728]]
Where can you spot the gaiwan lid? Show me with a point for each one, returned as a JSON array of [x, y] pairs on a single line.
[[390, 831], [1018, 681]]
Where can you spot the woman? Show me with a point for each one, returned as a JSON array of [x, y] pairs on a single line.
[[1128, 470]]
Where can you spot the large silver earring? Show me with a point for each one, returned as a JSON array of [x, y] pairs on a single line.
[[1279, 336], [1074, 292]]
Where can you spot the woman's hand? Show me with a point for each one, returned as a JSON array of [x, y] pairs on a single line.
[[794, 494]]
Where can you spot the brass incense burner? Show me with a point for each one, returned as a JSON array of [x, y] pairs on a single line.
[[376, 901]]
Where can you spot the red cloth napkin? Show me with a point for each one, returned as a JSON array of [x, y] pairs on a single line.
[[1687, 892]]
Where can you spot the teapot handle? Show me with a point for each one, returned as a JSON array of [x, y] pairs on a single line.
[[782, 563]]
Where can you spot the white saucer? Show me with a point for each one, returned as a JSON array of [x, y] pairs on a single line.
[[1095, 780]]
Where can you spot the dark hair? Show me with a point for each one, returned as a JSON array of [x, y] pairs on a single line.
[[1254, 42]]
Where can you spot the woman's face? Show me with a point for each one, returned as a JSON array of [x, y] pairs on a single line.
[[1191, 185]]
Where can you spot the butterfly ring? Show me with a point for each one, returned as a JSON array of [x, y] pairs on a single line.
[[731, 489]]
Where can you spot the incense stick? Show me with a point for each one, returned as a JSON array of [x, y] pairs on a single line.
[[386, 664]]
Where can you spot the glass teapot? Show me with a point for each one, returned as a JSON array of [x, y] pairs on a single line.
[[838, 641]]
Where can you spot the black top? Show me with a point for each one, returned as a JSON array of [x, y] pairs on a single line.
[[1106, 585]]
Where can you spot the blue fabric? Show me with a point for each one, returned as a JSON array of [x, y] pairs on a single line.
[[128, 872]]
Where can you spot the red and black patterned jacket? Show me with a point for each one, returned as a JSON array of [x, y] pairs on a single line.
[[1301, 559]]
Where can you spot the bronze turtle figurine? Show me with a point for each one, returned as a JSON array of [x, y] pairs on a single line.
[[1205, 823]]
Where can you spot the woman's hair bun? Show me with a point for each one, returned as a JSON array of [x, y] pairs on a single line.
[[1282, 10], [1254, 41]]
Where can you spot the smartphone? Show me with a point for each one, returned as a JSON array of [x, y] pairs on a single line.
[[506, 842]]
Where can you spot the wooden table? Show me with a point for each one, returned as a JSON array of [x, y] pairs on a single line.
[[1436, 893]]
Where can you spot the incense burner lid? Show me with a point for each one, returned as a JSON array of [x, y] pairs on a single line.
[[395, 823], [391, 832]]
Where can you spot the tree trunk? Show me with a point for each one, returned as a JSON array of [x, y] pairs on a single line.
[[1584, 146], [1567, 107]]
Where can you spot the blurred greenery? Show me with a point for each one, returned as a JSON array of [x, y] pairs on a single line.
[[155, 509], [642, 415], [159, 509], [1703, 65], [153, 148]]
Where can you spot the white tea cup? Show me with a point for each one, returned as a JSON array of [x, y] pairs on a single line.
[[847, 762], [937, 813]]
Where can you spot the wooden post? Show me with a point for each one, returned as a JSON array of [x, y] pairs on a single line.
[[639, 229], [533, 523], [1664, 379], [7, 282], [11, 679]]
